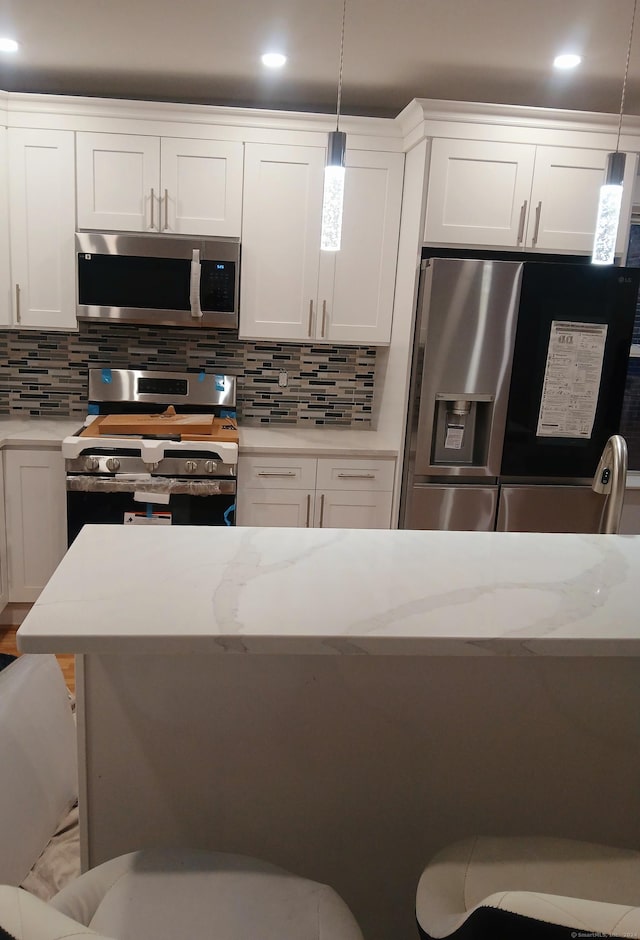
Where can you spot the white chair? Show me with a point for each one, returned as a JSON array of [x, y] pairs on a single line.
[[526, 888], [170, 894], [158, 894]]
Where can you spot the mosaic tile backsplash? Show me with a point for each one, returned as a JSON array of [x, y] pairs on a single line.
[[46, 373]]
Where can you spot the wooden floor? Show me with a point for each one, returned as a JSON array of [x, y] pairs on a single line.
[[10, 619]]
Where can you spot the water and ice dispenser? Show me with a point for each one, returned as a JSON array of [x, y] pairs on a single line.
[[461, 429]]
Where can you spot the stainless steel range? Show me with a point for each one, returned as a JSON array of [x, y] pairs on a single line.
[[156, 448]]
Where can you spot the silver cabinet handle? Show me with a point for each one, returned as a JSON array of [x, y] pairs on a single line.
[[324, 316], [534, 240], [310, 317], [153, 199], [308, 509], [356, 476], [321, 510], [523, 215], [18, 318], [276, 473], [166, 210]]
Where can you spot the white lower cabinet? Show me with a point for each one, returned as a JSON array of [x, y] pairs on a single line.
[[35, 507], [323, 492], [4, 577]]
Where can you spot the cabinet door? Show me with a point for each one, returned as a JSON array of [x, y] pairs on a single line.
[[274, 507], [4, 578], [564, 199], [281, 221], [35, 505], [5, 274], [42, 227], [360, 307], [118, 182], [478, 192], [353, 509], [201, 186]]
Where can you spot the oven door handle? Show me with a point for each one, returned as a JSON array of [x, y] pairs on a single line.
[[194, 291]]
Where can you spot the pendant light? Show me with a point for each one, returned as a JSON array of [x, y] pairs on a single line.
[[333, 196], [610, 202]]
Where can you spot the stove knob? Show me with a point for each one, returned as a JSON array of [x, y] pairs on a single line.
[[210, 466], [190, 466], [113, 464], [152, 465], [91, 463]]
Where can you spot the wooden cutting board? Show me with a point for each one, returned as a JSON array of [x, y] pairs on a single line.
[[156, 424]]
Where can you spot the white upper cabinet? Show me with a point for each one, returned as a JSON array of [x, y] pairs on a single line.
[[488, 193], [478, 192], [281, 241], [42, 226], [365, 267], [290, 289], [135, 183], [5, 273]]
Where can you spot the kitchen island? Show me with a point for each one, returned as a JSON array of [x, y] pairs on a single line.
[[346, 702]]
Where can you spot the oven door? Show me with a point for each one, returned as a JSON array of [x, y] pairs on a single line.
[[160, 501]]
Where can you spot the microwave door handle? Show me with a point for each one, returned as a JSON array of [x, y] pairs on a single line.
[[194, 291]]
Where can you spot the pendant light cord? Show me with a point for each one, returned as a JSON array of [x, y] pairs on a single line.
[[626, 71], [344, 16]]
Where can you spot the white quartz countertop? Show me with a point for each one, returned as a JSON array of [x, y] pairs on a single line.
[[339, 591], [34, 432], [265, 440], [317, 440]]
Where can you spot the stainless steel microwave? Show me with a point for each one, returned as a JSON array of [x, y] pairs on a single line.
[[158, 280]]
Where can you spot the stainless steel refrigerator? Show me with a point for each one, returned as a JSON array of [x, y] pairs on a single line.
[[517, 383]]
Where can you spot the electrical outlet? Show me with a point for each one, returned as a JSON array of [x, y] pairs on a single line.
[[283, 379]]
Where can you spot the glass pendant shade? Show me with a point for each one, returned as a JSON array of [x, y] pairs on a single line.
[[333, 197], [604, 242]]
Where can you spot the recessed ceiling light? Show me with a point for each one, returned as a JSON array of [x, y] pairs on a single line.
[[567, 61], [8, 45], [274, 60]]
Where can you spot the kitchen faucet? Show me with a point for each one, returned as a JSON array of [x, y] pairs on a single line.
[[610, 480]]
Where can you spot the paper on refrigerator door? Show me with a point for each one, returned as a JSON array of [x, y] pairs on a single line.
[[572, 379]]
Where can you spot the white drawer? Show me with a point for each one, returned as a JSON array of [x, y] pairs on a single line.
[[277, 472], [354, 474]]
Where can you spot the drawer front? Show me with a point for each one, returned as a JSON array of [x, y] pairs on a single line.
[[355, 474], [277, 472]]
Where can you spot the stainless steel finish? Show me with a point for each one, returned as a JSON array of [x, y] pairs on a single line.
[[133, 463], [463, 350], [166, 210], [549, 508], [469, 308], [321, 511], [165, 246], [610, 480], [152, 214], [276, 473], [534, 240], [308, 509], [101, 484], [324, 316], [523, 215], [18, 317], [200, 389], [190, 466], [463, 508], [210, 466], [356, 476], [310, 317], [91, 463], [113, 464]]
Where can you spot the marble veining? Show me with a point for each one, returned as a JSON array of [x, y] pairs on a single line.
[[340, 592]]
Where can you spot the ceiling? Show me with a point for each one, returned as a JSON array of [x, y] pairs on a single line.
[[206, 51]]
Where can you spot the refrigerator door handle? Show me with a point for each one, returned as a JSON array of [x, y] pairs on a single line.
[[523, 215]]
